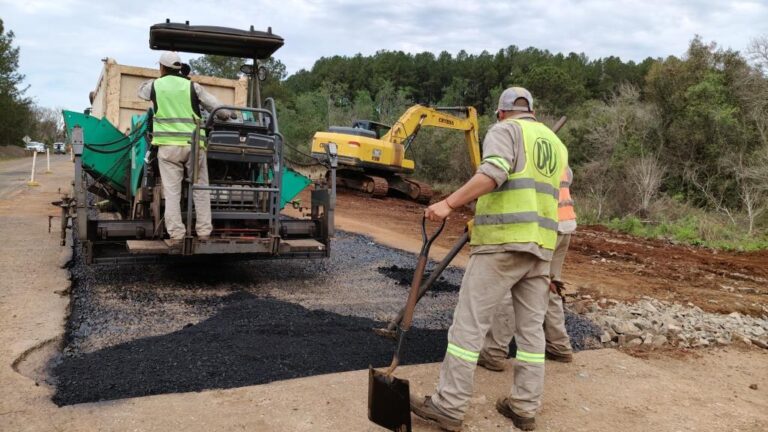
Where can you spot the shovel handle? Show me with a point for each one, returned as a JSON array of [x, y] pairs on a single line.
[[392, 326], [418, 274], [413, 294]]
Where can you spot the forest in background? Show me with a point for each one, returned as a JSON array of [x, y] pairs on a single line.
[[674, 147]]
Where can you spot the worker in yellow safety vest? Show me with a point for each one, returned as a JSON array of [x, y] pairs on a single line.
[[512, 242], [558, 345], [177, 103]]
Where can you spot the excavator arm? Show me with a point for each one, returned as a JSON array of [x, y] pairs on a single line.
[[406, 128]]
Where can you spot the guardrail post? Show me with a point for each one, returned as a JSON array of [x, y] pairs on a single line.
[[48, 160]]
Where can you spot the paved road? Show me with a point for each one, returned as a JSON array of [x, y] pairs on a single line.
[[14, 173]]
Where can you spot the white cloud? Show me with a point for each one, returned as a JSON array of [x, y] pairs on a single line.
[[62, 41]]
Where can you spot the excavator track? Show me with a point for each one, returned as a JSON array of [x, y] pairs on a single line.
[[421, 192], [412, 189], [376, 186]]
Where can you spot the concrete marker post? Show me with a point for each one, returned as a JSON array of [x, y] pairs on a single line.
[[48, 161], [32, 181]]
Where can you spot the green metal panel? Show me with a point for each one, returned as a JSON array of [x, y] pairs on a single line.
[[293, 183], [138, 124], [107, 153]]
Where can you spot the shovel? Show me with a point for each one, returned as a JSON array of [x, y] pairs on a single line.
[[389, 397], [390, 331]]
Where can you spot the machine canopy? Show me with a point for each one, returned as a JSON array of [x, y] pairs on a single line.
[[213, 40]]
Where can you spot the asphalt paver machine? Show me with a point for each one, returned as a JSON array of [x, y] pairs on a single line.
[[117, 203]]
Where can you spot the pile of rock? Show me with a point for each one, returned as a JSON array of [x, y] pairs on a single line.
[[653, 323]]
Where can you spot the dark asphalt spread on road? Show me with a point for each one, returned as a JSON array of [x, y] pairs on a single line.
[[153, 329]]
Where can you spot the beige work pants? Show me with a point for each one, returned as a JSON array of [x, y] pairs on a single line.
[[487, 279], [172, 160], [502, 330]]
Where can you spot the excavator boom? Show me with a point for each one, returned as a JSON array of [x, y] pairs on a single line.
[[462, 118]]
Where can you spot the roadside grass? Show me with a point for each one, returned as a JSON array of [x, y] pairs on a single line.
[[676, 220], [694, 230]]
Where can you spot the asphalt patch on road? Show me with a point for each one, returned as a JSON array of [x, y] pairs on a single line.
[[404, 276], [137, 330], [250, 341]]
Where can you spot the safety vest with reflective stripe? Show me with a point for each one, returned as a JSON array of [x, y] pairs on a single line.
[[565, 210], [524, 208], [174, 120]]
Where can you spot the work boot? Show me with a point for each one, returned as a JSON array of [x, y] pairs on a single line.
[[491, 364], [522, 423], [424, 408], [174, 244], [562, 358]]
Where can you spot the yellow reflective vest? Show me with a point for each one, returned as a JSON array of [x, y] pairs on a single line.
[[174, 120], [524, 209]]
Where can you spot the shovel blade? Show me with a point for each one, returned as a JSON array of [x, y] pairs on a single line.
[[389, 403]]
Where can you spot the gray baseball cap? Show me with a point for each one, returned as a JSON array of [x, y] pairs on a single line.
[[510, 95], [170, 59]]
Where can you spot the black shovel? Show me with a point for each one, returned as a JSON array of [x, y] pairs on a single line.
[[389, 397]]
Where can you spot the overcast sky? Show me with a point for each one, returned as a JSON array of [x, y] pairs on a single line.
[[63, 41]]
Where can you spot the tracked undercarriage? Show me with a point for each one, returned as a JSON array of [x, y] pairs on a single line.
[[379, 186]]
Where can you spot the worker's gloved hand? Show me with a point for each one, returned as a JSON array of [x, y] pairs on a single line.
[[552, 287], [223, 114], [557, 287], [437, 211]]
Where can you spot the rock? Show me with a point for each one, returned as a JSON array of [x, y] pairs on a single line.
[[722, 341], [642, 323], [753, 386], [674, 329], [605, 337], [624, 327], [701, 342], [650, 308], [659, 341], [634, 342]]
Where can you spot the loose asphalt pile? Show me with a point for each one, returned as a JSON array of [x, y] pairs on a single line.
[[153, 329], [404, 275]]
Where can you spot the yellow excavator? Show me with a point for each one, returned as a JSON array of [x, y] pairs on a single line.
[[372, 155]]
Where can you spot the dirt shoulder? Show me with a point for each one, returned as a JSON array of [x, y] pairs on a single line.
[[600, 262]]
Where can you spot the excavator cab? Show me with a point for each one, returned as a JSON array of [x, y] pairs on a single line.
[[379, 129]]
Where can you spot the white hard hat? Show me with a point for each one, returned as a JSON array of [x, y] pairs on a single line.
[[170, 59], [510, 95]]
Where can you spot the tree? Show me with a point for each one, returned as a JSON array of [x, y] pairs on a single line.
[[16, 119], [758, 52], [219, 66], [49, 125], [646, 174]]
